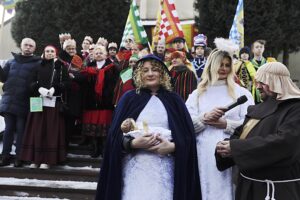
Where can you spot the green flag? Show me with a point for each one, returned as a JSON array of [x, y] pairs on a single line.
[[126, 74], [134, 26]]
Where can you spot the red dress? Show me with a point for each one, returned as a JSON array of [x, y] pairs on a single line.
[[98, 98]]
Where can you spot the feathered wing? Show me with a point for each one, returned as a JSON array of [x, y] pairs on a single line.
[[228, 45]]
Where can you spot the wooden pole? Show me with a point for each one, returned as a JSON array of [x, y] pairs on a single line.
[[151, 51]]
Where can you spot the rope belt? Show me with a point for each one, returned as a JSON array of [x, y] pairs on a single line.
[[270, 183]]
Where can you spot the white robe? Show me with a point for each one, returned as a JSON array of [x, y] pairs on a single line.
[[215, 184], [147, 175]]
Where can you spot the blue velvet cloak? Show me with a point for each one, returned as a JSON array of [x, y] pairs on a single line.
[[186, 177]]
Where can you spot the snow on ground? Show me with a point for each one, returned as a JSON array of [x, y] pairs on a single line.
[[27, 198], [70, 155], [67, 167], [49, 183]]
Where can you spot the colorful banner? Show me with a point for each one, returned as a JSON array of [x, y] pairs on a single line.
[[170, 27], [134, 26], [237, 29]]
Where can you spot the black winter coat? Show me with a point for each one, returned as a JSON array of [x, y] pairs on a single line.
[[50, 74], [16, 76]]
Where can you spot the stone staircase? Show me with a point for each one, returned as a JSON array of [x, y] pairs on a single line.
[[76, 179]]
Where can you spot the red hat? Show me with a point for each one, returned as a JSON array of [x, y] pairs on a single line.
[[171, 50], [178, 54], [77, 61]]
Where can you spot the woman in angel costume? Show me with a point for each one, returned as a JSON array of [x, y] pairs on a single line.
[[207, 106], [157, 159]]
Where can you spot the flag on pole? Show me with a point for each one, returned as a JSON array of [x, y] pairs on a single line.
[[155, 33], [170, 27], [9, 5], [134, 26], [237, 30]]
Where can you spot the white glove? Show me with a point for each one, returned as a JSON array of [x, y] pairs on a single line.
[[43, 91], [51, 92]]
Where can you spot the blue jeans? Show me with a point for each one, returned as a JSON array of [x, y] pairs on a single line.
[[13, 124]]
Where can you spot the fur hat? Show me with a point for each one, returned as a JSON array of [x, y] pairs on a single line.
[[102, 41], [200, 40], [77, 61], [89, 38], [112, 45], [64, 36], [226, 45], [69, 42]]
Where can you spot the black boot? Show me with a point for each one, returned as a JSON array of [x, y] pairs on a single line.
[[83, 140], [95, 148], [18, 163], [5, 160]]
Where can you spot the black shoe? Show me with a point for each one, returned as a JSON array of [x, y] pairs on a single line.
[[83, 141], [18, 163], [5, 160], [96, 150]]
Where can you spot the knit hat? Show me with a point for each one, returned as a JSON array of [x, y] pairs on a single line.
[[112, 45], [200, 40], [277, 77], [244, 50], [178, 54], [56, 51], [186, 62], [171, 50], [76, 61]]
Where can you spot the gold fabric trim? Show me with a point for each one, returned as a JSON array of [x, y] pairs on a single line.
[[248, 127]]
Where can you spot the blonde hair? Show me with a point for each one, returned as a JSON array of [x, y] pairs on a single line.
[[210, 74], [101, 48], [164, 81]]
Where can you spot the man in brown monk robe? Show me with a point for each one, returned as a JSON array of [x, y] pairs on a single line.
[[266, 147]]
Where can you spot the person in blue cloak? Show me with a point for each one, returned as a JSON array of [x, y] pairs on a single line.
[[157, 158]]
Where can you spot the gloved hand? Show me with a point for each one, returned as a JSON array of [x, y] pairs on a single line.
[[43, 91], [51, 92]]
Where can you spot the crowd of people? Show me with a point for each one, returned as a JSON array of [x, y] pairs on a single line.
[[161, 119]]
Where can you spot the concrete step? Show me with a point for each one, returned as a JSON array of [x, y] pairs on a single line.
[[47, 189], [83, 161], [59, 173]]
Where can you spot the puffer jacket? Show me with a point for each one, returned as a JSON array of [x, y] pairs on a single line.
[[16, 76]]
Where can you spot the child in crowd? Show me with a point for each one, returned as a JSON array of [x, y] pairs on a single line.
[[200, 43]]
